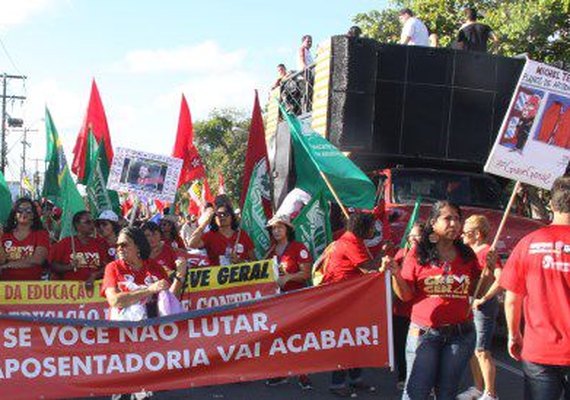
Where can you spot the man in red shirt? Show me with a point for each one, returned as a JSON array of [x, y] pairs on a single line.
[[537, 280]]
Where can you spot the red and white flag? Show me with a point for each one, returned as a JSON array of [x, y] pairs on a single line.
[[184, 148], [221, 184], [96, 122]]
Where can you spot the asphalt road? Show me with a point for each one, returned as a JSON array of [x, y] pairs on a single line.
[[509, 385]]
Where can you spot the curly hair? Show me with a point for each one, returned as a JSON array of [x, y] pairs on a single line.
[[139, 239], [360, 224], [427, 252], [11, 222]]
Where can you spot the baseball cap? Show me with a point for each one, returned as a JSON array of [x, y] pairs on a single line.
[[109, 216]]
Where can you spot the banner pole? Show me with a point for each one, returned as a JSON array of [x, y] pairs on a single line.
[[497, 235], [335, 195]]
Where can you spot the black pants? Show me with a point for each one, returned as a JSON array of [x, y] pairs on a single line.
[[400, 332], [339, 377]]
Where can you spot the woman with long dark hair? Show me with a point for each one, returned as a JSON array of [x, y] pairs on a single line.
[[438, 276], [225, 243], [169, 231], [25, 244]]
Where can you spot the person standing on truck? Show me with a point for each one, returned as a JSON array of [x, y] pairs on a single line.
[[537, 282], [485, 310], [473, 35], [438, 276], [414, 31]]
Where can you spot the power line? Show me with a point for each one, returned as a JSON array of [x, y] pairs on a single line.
[[11, 60]]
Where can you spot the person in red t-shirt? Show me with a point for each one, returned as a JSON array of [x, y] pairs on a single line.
[[225, 243], [131, 283], [485, 309], [108, 228], [537, 282], [402, 310], [160, 253], [294, 270], [349, 258], [438, 276], [25, 244], [169, 230], [80, 257]]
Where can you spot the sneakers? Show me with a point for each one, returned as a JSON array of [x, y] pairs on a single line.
[[343, 392], [488, 396], [276, 381], [470, 394], [305, 383], [400, 385]]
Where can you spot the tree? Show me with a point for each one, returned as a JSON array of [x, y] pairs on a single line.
[[539, 28], [222, 142]]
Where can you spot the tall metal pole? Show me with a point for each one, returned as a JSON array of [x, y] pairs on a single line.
[[4, 147], [23, 169]]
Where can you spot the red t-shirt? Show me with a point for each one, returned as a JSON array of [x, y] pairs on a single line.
[[216, 244], [166, 258], [539, 270], [399, 307], [177, 243], [121, 276], [441, 292], [482, 257], [92, 256], [17, 249], [295, 254], [347, 254]]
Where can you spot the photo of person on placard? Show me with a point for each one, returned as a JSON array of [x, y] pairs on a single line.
[[521, 119], [554, 126]]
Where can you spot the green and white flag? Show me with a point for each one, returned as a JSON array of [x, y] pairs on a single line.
[[312, 226], [5, 200], [98, 196], [59, 185], [254, 220]]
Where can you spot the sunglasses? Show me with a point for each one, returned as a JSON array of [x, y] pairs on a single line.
[[222, 214], [24, 210]]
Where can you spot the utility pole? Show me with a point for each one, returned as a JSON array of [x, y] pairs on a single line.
[[5, 97], [25, 145]]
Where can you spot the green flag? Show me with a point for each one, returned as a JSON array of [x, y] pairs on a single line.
[[314, 154], [97, 173], [59, 185], [312, 226], [253, 219], [411, 222], [5, 200]]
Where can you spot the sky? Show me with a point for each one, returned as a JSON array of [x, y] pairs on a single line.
[[144, 55]]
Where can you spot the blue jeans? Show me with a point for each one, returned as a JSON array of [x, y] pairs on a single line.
[[436, 360], [546, 382]]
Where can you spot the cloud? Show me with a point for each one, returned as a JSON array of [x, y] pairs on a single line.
[[17, 12], [203, 57]]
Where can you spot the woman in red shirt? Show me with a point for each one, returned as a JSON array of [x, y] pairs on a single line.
[[294, 270], [169, 231], [438, 276], [225, 243], [160, 253], [131, 282], [25, 244]]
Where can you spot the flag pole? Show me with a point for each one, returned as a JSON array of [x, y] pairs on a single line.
[[335, 195], [497, 235]]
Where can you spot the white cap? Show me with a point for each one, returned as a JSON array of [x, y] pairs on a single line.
[[109, 216]]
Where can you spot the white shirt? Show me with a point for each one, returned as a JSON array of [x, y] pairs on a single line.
[[417, 31]]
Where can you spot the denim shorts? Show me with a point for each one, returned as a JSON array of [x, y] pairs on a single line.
[[485, 319]]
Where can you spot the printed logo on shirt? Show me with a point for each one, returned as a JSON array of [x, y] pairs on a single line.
[[304, 254], [548, 262], [88, 260], [112, 252], [129, 285], [19, 252], [449, 286], [239, 248], [8, 244], [540, 248]]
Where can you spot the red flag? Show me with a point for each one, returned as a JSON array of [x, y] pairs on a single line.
[[96, 122], [221, 184], [184, 147], [256, 156], [206, 192]]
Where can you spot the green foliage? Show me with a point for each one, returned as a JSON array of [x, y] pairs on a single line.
[[540, 28], [222, 142]]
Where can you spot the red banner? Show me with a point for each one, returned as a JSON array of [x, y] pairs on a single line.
[[207, 287], [325, 328]]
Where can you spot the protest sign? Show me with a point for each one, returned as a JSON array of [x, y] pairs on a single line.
[[533, 145], [207, 287], [149, 176], [340, 326]]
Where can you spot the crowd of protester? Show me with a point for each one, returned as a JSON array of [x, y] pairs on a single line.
[[438, 329]]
